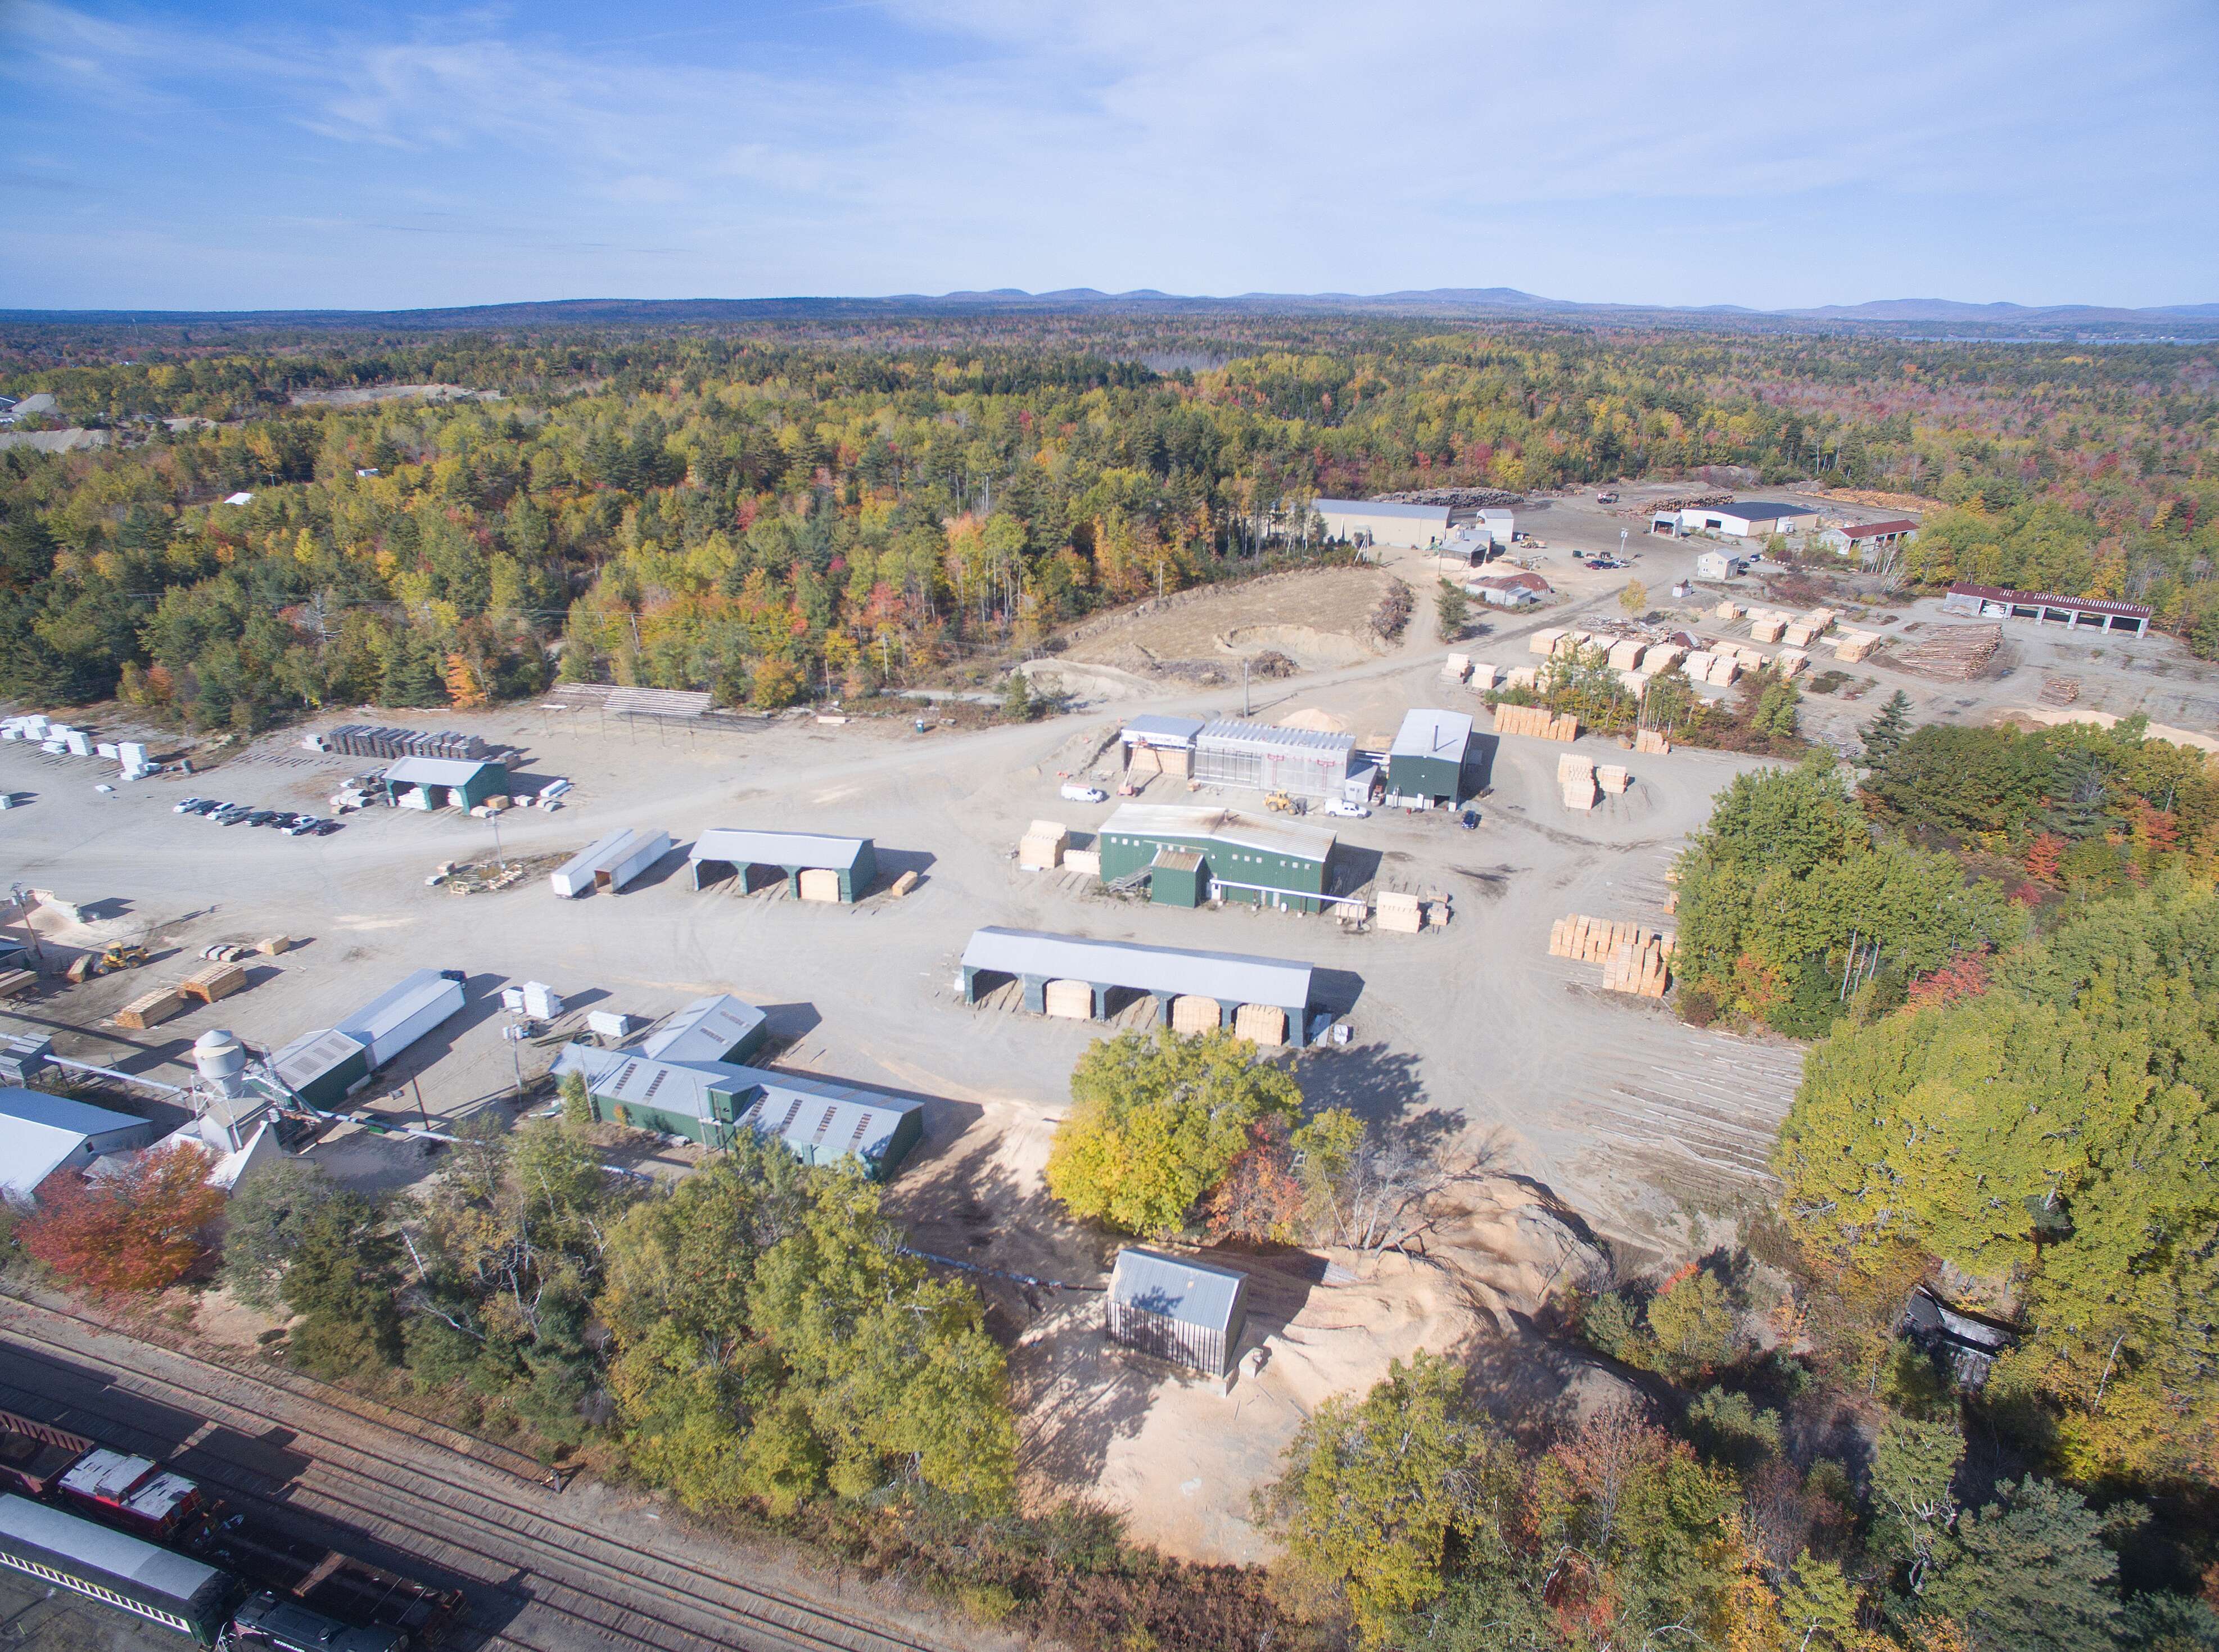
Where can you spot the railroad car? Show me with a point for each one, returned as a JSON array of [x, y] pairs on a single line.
[[272, 1620], [134, 1493], [102, 1563]]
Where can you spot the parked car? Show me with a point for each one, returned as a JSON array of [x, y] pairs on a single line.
[[325, 828], [232, 816], [208, 806], [1076, 793], [186, 807], [1470, 821], [1346, 809], [261, 817]]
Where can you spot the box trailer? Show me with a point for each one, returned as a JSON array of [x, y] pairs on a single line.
[[396, 1018], [609, 862]]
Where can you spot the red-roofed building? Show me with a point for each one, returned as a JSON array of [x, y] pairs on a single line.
[[1869, 540]]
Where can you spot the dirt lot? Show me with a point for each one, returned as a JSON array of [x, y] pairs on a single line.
[[1315, 619], [1469, 1039]]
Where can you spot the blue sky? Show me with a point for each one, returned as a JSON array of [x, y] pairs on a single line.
[[225, 154]]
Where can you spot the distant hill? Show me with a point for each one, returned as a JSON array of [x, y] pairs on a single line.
[[1918, 317]]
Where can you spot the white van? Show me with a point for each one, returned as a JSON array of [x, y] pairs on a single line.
[[1074, 793]]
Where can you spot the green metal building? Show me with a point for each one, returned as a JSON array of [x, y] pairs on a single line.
[[1425, 767], [1194, 855], [445, 782]]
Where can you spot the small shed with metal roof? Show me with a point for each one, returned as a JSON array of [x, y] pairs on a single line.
[[843, 866], [322, 1068], [1267, 757], [1174, 1309], [1425, 766], [1265, 998], [443, 782]]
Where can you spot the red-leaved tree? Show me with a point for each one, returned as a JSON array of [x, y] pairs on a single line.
[[1963, 976], [138, 1229], [2042, 856], [1259, 1197]]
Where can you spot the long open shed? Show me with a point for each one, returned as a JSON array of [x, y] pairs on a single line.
[[845, 865], [1267, 999]]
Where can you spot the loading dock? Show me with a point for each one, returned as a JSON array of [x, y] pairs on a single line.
[[2047, 608], [817, 867], [1194, 991]]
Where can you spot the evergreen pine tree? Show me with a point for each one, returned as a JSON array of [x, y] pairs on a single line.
[[1887, 730]]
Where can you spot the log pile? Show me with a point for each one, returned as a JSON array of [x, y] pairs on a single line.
[[1955, 654]]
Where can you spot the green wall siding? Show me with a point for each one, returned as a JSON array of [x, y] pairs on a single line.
[[1123, 853]]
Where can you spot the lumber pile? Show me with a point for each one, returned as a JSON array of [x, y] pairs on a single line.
[[1457, 667], [16, 980], [1521, 677], [1042, 848], [1537, 721], [1728, 611], [1483, 677], [1651, 740], [1789, 661], [1768, 629], [1635, 959], [213, 981], [1954, 653], [1810, 628], [1662, 658], [1576, 776], [1613, 778], [271, 946], [1085, 860], [1544, 642], [1399, 912], [150, 1009], [1853, 646], [1639, 970], [1707, 666], [1626, 655], [907, 881]]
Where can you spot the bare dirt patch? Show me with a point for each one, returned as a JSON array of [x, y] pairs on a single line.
[[1316, 619]]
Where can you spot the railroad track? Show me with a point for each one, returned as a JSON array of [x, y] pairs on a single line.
[[618, 1591]]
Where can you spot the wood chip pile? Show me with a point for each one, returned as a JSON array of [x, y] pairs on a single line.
[[1955, 654], [1537, 721]]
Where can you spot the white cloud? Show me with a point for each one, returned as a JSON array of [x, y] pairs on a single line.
[[1195, 146]]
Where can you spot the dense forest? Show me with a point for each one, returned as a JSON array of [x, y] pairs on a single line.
[[779, 512]]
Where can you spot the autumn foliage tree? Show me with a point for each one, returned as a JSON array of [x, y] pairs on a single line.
[[132, 1232]]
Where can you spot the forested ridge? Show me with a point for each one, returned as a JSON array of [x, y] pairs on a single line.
[[782, 510]]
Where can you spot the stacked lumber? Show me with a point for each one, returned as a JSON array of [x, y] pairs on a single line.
[[907, 881], [1399, 912], [1705, 665], [1954, 653], [1042, 847], [213, 981], [1664, 658], [1087, 860], [1613, 778], [271, 946], [1635, 959], [150, 1009], [1651, 740], [1788, 661], [16, 980], [1457, 667], [1544, 642], [1728, 611], [1484, 677], [1437, 914], [1576, 776], [1767, 629], [1537, 721], [1639, 970], [1521, 677], [1853, 646], [1637, 682], [1626, 655]]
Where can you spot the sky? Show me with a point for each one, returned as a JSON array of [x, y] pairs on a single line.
[[234, 155]]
